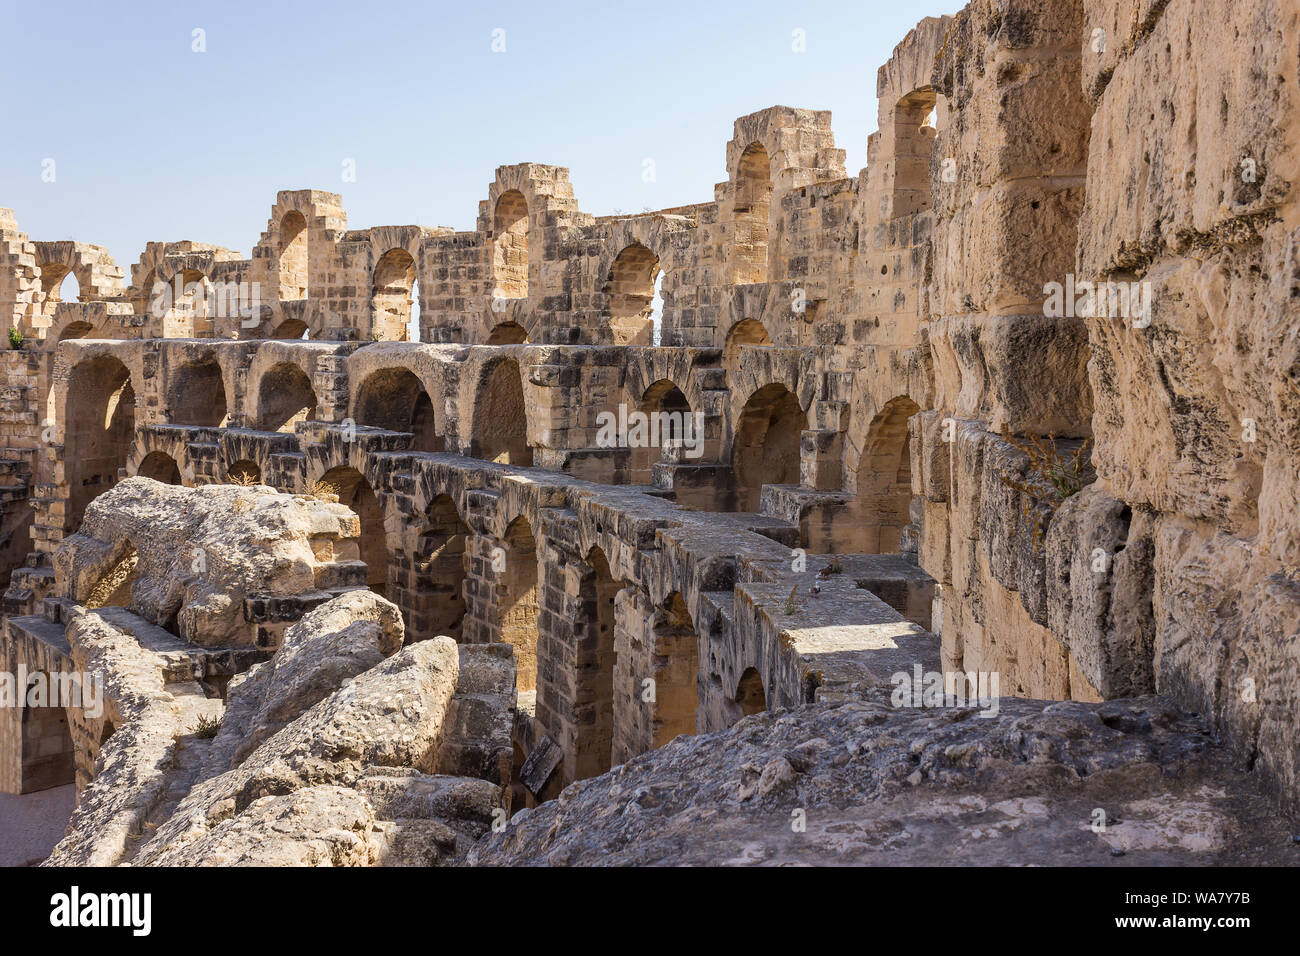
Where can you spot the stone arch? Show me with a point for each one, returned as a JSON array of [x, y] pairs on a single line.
[[354, 491], [677, 666], [508, 333], [244, 472], [395, 399], [914, 134], [290, 329], [631, 291], [390, 301], [745, 333], [284, 398], [884, 478], [293, 257], [500, 416], [517, 601], [750, 697], [99, 426], [668, 421], [74, 330], [593, 702], [160, 466], [48, 754], [751, 215], [440, 571], [197, 394], [766, 446], [510, 246]]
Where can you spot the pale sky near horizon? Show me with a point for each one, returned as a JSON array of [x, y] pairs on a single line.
[[151, 140]]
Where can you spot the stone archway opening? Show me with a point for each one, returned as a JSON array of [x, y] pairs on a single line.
[[668, 422], [98, 430], [76, 330], [160, 466], [293, 256], [48, 753], [916, 120], [631, 291], [508, 333], [198, 395], [440, 569], [290, 329], [284, 398], [751, 215], [747, 333], [354, 491], [500, 431], [390, 301], [594, 694], [767, 441], [510, 246], [396, 400], [677, 667], [884, 478], [750, 697], [517, 594], [244, 472]]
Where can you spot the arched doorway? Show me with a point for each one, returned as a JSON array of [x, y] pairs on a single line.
[[668, 421], [507, 333], [440, 569], [677, 657], [354, 491], [390, 302], [631, 291], [751, 215], [510, 246], [594, 695], [160, 466], [293, 256], [395, 399], [517, 597], [98, 431], [198, 395], [284, 398], [501, 418], [765, 450], [884, 478]]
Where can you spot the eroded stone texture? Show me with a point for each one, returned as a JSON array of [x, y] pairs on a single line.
[[863, 783]]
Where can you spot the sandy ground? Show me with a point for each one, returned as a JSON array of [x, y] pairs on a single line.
[[31, 824]]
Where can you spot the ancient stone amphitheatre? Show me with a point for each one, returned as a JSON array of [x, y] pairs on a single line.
[[945, 512]]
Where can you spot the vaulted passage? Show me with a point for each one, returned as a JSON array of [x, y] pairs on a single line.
[[244, 472], [594, 696], [510, 246], [507, 333], [198, 395], [884, 478], [47, 749], [667, 423], [98, 433], [440, 571], [677, 666], [766, 444], [631, 291], [284, 398], [501, 418], [160, 466], [517, 596], [390, 300], [746, 332], [354, 491], [750, 698], [396, 400]]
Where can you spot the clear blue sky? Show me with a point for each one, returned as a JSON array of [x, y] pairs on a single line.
[[152, 141]]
